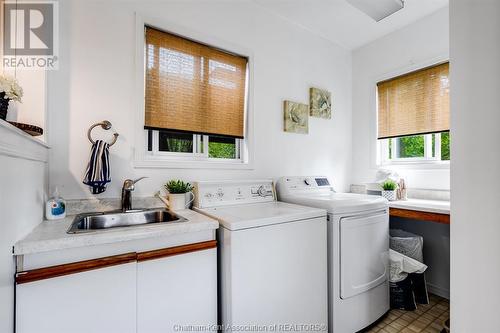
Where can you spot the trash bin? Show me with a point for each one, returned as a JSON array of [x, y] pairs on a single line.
[[404, 285], [406, 243], [411, 245], [410, 289]]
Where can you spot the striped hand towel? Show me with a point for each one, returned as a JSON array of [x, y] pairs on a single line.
[[97, 174]]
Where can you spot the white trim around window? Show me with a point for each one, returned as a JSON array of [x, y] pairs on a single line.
[[143, 158], [429, 157]]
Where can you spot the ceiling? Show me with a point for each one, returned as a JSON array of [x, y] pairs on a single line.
[[339, 22]]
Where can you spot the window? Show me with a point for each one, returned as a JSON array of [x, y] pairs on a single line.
[[182, 146], [416, 148], [195, 100], [413, 116]]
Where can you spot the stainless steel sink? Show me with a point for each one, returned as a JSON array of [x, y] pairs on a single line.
[[116, 219]]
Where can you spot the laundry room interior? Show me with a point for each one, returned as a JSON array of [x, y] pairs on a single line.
[[249, 165]]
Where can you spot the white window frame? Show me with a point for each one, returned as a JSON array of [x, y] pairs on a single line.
[[197, 154], [427, 158], [144, 159]]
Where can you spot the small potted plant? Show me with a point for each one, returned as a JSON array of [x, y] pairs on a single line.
[[9, 91], [179, 195], [389, 189]]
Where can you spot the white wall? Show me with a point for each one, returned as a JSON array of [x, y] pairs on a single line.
[[96, 81], [418, 45], [23, 179], [475, 117]]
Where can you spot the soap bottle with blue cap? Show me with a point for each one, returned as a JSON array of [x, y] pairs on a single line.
[[55, 207]]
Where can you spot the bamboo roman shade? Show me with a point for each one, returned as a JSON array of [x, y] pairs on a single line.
[[414, 103], [193, 87]]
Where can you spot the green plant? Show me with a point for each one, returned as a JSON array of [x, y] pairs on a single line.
[[389, 185], [178, 186]]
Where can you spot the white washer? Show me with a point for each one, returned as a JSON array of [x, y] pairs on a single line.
[[358, 245], [272, 258]]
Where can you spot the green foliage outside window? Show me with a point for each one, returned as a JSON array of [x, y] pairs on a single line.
[[180, 146], [414, 146], [175, 142], [445, 146], [221, 150], [220, 147], [411, 146]]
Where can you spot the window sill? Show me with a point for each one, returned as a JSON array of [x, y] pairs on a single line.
[[416, 165], [183, 164]]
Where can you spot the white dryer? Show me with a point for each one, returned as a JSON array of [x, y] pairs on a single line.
[[272, 258], [358, 246]]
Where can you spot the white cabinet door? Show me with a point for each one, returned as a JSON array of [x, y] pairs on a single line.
[[177, 290], [102, 300]]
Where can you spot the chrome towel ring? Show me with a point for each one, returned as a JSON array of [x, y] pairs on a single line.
[[106, 125]]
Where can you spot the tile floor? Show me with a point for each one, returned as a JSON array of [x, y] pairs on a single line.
[[426, 319]]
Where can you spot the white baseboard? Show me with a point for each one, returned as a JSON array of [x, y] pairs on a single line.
[[439, 291]]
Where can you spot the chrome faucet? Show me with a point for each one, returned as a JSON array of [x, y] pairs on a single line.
[[128, 187]]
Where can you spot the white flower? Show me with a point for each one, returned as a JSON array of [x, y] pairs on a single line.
[[11, 88]]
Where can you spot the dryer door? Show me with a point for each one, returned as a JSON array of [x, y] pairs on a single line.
[[364, 252]]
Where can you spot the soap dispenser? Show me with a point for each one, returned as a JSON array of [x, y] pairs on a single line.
[[55, 207]]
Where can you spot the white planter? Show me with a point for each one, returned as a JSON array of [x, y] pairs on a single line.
[[389, 195], [180, 200]]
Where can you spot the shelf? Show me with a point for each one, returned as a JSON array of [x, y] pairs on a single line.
[[16, 143]]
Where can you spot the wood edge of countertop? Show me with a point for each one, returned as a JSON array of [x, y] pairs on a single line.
[[92, 264], [419, 215], [171, 251], [72, 268]]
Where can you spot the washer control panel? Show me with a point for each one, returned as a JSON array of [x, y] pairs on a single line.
[[305, 184], [210, 194]]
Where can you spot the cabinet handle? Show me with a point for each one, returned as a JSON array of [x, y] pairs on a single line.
[[72, 268], [172, 251], [87, 265]]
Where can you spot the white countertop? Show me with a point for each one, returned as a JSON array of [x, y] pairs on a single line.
[[51, 235], [431, 206]]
